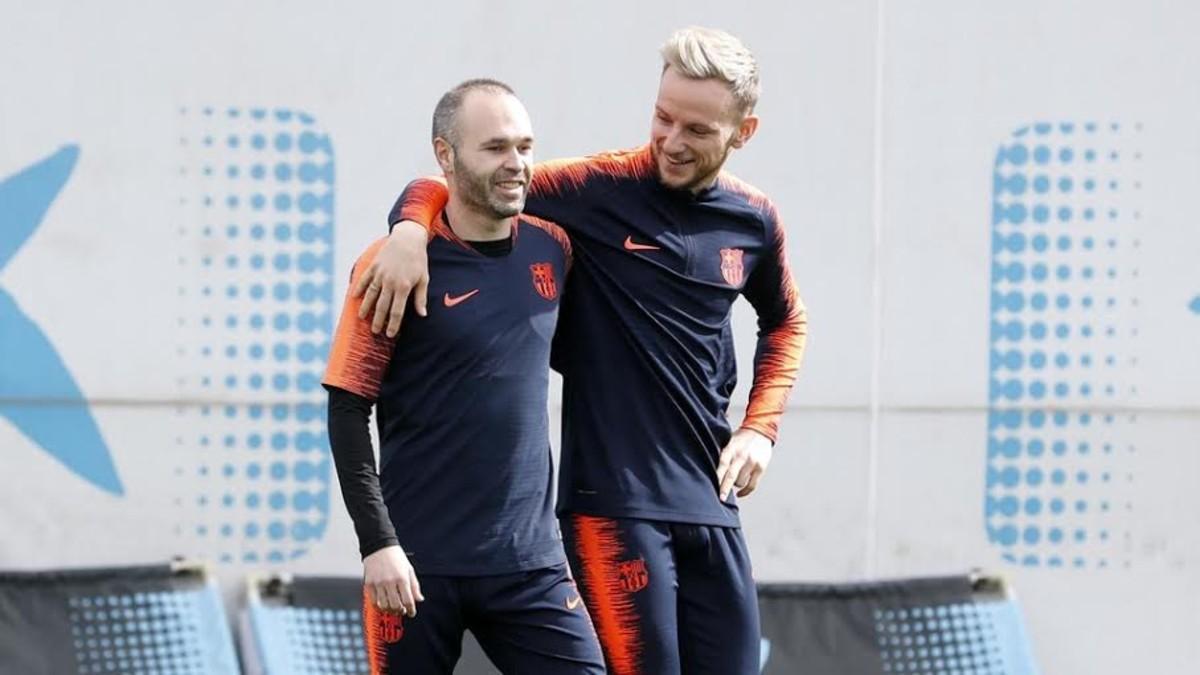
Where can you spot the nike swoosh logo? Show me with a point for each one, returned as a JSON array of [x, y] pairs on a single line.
[[451, 301], [630, 246], [574, 603]]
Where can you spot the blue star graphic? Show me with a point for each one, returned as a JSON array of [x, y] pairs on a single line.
[[37, 393]]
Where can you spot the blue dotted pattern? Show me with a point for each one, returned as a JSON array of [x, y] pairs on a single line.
[[1064, 228], [162, 633], [310, 641], [954, 639], [260, 321]]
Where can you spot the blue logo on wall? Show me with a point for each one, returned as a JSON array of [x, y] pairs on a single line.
[[254, 332], [1064, 239], [37, 393]]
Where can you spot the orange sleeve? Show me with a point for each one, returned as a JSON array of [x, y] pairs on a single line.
[[358, 358], [782, 332], [568, 177], [564, 190], [421, 202], [554, 192]]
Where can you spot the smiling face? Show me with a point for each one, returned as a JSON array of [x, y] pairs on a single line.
[[697, 123], [490, 165]]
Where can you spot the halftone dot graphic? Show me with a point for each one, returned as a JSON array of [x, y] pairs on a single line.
[[1054, 302], [268, 270], [939, 640], [1041, 213], [146, 633], [313, 641]]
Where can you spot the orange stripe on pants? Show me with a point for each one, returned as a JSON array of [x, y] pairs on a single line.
[[599, 549], [379, 629]]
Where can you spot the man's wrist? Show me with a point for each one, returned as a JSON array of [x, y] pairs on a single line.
[[378, 545], [758, 430], [409, 228]]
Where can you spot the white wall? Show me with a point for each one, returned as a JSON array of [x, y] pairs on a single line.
[[883, 124]]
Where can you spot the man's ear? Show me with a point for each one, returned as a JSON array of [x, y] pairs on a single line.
[[745, 130], [444, 152]]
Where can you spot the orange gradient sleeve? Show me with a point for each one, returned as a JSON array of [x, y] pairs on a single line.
[[782, 332], [569, 177], [557, 192], [358, 358], [421, 202]]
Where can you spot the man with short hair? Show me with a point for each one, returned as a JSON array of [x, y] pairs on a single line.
[[460, 397], [664, 243]]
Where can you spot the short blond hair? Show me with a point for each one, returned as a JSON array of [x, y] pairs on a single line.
[[704, 53]]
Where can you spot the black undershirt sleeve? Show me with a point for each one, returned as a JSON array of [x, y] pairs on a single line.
[[354, 459]]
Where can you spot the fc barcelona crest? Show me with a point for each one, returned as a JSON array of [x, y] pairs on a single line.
[[731, 266], [391, 627], [634, 576], [543, 280]]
